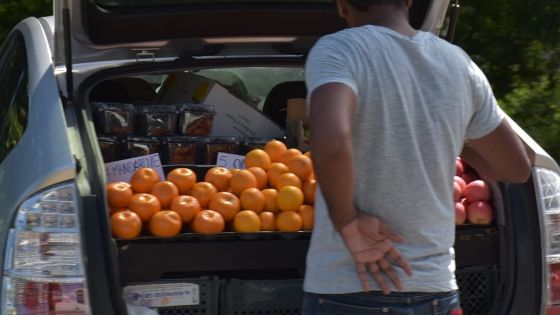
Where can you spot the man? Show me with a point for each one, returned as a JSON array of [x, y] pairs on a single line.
[[390, 110]]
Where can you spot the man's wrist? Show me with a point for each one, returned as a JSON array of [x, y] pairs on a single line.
[[344, 223]]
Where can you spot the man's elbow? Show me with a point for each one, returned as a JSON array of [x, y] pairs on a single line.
[[519, 174]]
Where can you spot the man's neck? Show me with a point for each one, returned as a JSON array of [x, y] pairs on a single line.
[[387, 16]]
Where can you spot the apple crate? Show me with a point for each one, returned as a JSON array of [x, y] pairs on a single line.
[[477, 287], [207, 296], [256, 297]]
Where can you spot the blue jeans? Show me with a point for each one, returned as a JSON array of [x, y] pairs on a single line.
[[376, 303]]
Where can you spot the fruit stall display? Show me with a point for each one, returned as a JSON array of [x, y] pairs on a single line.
[[210, 226], [275, 192]]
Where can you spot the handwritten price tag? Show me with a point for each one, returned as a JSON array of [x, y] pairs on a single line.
[[230, 161], [121, 171]]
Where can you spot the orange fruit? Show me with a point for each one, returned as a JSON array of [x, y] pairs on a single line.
[[143, 180], [208, 222], [309, 188], [301, 166], [307, 213], [234, 170], [126, 224], [144, 205], [247, 221], [308, 154], [268, 221], [288, 179], [219, 177], [183, 178], [258, 158], [260, 175], [118, 195], [290, 198], [165, 191], [252, 199], [226, 203], [274, 171], [113, 211], [275, 149], [289, 221], [290, 153], [242, 180], [270, 196], [186, 206], [203, 191], [165, 223]]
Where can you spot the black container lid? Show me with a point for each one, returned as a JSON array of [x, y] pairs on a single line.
[[114, 106]]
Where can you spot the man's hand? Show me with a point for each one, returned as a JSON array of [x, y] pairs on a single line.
[[370, 242]]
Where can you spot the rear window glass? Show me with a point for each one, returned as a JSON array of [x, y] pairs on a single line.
[[131, 3]]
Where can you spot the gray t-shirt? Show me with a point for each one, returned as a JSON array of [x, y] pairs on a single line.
[[419, 98]]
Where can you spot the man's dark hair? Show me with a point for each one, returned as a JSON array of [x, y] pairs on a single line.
[[363, 5]]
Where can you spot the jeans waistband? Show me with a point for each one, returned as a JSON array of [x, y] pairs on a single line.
[[400, 298]]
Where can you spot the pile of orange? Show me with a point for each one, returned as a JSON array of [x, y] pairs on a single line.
[[275, 192]]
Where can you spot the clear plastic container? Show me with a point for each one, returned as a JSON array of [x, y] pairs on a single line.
[[255, 143], [114, 118], [110, 148], [140, 146], [196, 119], [182, 150], [157, 120], [214, 145]]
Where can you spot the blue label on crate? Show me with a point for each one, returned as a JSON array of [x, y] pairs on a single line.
[[162, 295]]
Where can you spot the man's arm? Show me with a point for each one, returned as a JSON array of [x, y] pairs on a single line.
[[500, 155], [368, 239], [331, 109]]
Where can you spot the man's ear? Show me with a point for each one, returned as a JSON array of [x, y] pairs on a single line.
[[342, 8]]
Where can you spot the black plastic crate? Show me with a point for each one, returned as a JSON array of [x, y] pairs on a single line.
[[477, 287], [208, 290], [262, 297]]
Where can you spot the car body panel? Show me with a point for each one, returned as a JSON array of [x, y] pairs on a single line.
[[42, 157]]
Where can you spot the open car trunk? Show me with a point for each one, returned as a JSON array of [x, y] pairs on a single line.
[[243, 273], [243, 75]]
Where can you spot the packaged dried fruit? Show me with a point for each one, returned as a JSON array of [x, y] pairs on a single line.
[[114, 118], [182, 150], [157, 120], [110, 148], [214, 145], [139, 146], [196, 119]]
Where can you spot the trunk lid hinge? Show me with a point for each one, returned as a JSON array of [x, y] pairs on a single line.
[[453, 17], [69, 98]]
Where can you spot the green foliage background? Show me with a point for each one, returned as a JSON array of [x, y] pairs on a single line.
[[515, 42]]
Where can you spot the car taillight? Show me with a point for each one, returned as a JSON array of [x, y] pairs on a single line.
[[43, 267]]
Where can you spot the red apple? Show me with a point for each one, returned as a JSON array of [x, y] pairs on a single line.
[[460, 213], [477, 190], [465, 203], [479, 212], [459, 168], [469, 177], [461, 182], [456, 191]]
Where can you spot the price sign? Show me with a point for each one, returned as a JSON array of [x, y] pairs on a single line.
[[121, 171], [230, 161]]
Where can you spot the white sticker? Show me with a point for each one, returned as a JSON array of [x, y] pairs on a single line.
[[230, 161], [162, 295], [121, 171]]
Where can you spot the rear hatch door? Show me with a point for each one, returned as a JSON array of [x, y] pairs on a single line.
[[105, 30]]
